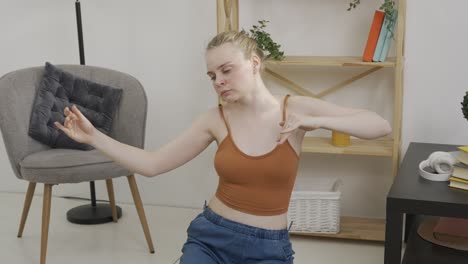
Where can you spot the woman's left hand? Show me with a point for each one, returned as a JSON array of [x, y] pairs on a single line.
[[293, 122]]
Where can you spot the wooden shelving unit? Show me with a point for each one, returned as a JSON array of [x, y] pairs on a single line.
[[379, 147], [340, 61], [351, 227]]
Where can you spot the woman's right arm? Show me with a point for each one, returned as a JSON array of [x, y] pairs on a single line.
[[147, 163]]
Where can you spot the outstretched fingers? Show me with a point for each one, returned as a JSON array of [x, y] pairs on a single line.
[[70, 113], [61, 127], [77, 113], [287, 127], [69, 124]]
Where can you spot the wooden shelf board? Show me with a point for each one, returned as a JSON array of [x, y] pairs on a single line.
[[378, 147], [330, 61], [355, 228]]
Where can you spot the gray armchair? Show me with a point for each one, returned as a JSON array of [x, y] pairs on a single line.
[[38, 163]]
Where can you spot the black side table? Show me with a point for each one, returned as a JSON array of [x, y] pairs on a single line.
[[417, 197]]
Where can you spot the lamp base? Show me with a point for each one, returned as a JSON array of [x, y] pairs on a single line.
[[92, 215]]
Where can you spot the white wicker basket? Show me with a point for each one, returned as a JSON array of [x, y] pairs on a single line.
[[315, 211]]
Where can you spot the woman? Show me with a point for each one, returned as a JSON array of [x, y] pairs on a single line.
[[259, 138]]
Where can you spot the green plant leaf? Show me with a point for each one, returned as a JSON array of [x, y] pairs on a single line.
[[265, 42], [464, 107]]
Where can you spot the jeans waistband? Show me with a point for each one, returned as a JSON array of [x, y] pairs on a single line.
[[213, 217]]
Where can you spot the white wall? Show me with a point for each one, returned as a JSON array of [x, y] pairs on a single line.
[[162, 44]]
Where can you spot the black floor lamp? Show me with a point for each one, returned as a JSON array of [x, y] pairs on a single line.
[[89, 214]]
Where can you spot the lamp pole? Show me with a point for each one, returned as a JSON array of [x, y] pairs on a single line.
[[93, 213]]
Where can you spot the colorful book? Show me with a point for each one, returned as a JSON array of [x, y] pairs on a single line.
[[373, 35], [453, 178], [388, 37], [462, 156], [463, 148], [451, 229], [458, 184], [460, 170], [381, 40]]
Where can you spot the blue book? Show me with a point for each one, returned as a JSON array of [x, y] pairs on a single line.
[[381, 40], [388, 38]]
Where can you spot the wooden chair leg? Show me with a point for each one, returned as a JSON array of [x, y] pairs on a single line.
[[110, 192], [140, 210], [45, 220], [27, 205]]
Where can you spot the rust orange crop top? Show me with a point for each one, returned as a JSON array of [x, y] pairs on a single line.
[[259, 185]]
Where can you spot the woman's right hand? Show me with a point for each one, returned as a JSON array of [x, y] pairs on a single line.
[[77, 126]]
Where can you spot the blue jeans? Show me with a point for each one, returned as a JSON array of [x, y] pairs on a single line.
[[214, 239]]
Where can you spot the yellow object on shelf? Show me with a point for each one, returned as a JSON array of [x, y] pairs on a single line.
[[340, 139], [463, 148]]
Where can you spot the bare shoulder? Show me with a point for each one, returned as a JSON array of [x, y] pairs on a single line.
[[306, 105], [280, 98], [209, 118]]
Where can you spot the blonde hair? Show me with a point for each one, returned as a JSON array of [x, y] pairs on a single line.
[[241, 39]]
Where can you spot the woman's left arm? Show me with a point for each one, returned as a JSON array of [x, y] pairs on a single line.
[[315, 113]]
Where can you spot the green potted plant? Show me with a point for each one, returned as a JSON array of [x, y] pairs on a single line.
[[464, 104], [265, 42]]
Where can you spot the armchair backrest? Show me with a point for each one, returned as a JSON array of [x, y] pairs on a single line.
[[17, 93]]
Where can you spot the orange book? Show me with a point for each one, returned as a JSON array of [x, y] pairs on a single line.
[[452, 230], [373, 35]]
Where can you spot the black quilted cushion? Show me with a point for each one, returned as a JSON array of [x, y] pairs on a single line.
[[59, 89]]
